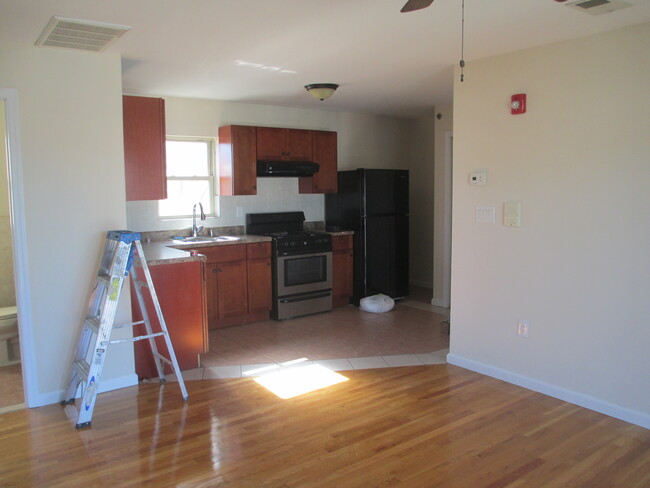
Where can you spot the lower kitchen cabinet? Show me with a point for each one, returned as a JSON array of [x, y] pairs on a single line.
[[259, 277], [180, 288], [342, 261], [238, 283]]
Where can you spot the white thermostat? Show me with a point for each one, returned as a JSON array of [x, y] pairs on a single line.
[[478, 177]]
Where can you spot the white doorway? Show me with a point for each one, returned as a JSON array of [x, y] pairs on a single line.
[[13, 166]]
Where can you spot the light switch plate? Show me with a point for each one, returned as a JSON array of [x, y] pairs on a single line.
[[486, 214], [512, 214]]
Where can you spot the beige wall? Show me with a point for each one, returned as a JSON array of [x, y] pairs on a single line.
[[73, 172], [578, 267]]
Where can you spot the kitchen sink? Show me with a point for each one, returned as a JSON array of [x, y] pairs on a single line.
[[203, 239]]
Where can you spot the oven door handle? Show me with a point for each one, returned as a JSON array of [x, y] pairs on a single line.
[[305, 297]]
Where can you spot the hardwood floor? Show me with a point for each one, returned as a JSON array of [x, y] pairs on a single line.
[[423, 426]]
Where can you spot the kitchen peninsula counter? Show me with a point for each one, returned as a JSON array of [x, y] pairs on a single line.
[[169, 252]]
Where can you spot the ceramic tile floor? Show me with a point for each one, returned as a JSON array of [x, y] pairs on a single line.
[[346, 338]]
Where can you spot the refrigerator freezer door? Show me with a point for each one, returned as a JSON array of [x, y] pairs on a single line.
[[387, 255], [386, 191]]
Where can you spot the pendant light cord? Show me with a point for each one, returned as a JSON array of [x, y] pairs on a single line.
[[462, 42]]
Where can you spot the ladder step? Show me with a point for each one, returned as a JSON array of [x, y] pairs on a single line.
[[93, 324], [143, 283], [83, 367], [130, 324], [134, 339], [162, 358], [104, 277]]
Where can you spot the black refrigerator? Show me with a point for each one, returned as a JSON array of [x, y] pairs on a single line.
[[374, 203]]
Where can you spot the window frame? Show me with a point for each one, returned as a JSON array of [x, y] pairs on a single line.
[[210, 178]]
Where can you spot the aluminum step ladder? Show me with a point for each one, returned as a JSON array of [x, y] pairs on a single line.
[[122, 249]]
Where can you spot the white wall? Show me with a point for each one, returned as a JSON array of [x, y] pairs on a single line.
[[73, 172], [578, 267], [363, 142]]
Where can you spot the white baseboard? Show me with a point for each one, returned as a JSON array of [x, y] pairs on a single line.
[[52, 397], [439, 303], [616, 411]]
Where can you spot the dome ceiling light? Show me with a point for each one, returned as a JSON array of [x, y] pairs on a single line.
[[321, 91]]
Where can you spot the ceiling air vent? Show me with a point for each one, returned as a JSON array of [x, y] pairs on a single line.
[[597, 7], [80, 34]]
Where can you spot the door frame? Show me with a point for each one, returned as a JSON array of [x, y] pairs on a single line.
[[19, 243]]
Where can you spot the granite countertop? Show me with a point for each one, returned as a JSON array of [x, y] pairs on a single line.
[[170, 252]]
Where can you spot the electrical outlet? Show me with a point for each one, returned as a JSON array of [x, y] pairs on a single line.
[[522, 328]]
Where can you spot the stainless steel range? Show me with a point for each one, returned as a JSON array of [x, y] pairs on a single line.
[[302, 264]]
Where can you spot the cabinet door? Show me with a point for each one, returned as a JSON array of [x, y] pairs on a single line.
[[259, 285], [277, 144], [271, 143], [184, 315], [325, 152], [298, 145], [144, 148], [212, 300], [237, 160], [232, 290]]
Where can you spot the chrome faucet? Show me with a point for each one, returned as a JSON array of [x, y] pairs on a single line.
[[195, 229]]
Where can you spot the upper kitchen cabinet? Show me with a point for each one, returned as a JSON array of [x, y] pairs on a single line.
[[237, 160], [276, 144], [324, 152], [144, 148]]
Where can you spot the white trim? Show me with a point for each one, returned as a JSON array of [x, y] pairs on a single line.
[[53, 397], [446, 250], [595, 404], [439, 303], [19, 242]]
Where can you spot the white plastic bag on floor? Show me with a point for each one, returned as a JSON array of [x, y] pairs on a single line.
[[377, 303]]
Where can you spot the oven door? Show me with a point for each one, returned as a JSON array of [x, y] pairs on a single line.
[[303, 273]]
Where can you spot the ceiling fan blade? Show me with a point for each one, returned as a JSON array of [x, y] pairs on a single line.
[[415, 5]]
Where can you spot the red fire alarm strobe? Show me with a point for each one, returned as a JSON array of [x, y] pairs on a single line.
[[518, 104]]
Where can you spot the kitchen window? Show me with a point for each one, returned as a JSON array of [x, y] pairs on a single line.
[[190, 176]]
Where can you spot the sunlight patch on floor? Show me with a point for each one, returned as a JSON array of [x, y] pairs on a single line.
[[295, 381]]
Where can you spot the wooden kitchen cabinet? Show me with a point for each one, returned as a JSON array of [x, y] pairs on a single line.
[[181, 292], [238, 283], [259, 277], [144, 148], [237, 160], [342, 261], [277, 144], [324, 152], [226, 283]]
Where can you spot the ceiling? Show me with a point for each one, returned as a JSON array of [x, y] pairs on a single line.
[[265, 51]]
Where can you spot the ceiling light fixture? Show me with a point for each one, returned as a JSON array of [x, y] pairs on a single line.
[[321, 90]]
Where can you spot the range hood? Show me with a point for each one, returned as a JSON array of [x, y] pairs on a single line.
[[287, 168]]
